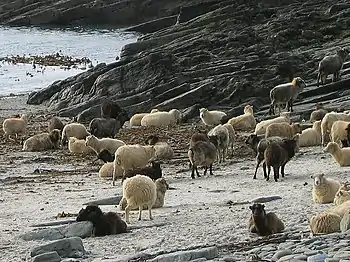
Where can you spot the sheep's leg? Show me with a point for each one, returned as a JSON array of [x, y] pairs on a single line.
[[324, 79], [282, 170], [268, 173], [318, 78], [231, 149], [290, 105], [223, 154], [211, 169], [205, 170], [127, 212], [275, 173], [264, 168], [256, 168], [150, 212], [140, 211], [192, 174], [197, 172]]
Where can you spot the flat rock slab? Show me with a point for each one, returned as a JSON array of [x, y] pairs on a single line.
[[105, 201], [190, 255], [68, 247], [47, 257]]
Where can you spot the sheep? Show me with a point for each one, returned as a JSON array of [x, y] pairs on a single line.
[[139, 191], [261, 147], [339, 131], [341, 209], [162, 118], [327, 123], [341, 196], [135, 120], [108, 169], [74, 130], [198, 136], [154, 171], [278, 155], [283, 130], [331, 64], [340, 155], [222, 137], [110, 109], [102, 127], [104, 224], [260, 128], [232, 135], [133, 156], [245, 122], [104, 143], [15, 126], [263, 223], [42, 142], [324, 223], [324, 189], [202, 153], [105, 156], [210, 118], [77, 146], [161, 186], [286, 93], [311, 136], [163, 149], [318, 114], [55, 123], [253, 140]]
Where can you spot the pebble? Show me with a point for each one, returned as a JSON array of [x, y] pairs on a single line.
[[281, 253]]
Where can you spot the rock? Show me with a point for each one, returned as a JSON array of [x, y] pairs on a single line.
[[68, 247], [281, 253], [317, 258], [47, 257], [208, 253], [345, 223]]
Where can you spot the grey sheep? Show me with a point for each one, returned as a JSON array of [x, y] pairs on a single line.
[[331, 64], [202, 153], [219, 136], [102, 127], [286, 93]]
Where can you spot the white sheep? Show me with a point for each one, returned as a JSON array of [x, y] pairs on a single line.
[[221, 138], [341, 209], [211, 117], [107, 170], [324, 223], [139, 191], [339, 131], [162, 118], [76, 130], [245, 122], [232, 135], [260, 128], [77, 146], [42, 142], [311, 136], [340, 155], [15, 126], [133, 156], [163, 149], [327, 123], [324, 189], [98, 145], [284, 130], [135, 120], [341, 196]]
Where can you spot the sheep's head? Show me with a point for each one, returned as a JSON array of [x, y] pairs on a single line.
[[318, 179], [331, 147], [90, 140], [214, 139], [202, 112], [152, 140], [162, 185], [24, 117], [319, 106], [252, 140], [343, 53], [123, 116], [90, 213], [55, 136], [151, 152], [105, 156], [154, 110], [258, 210], [248, 109], [341, 196], [176, 113], [299, 82], [297, 128], [317, 126]]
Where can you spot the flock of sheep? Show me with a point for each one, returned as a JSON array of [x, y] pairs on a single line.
[[274, 141]]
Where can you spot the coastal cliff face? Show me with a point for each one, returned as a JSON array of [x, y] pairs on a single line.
[[223, 54]]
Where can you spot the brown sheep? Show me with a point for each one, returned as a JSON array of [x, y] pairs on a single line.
[[283, 130], [264, 224]]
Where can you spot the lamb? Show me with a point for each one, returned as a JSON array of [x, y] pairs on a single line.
[[245, 122], [105, 156], [341, 196], [202, 153], [15, 126], [277, 156], [340, 155], [74, 130], [135, 120], [77, 146], [210, 118], [264, 224], [331, 64], [55, 123], [283, 130], [339, 131], [286, 93], [108, 169], [222, 137], [154, 171], [162, 118], [133, 156], [104, 143], [324, 223], [253, 140], [324, 189], [311, 136], [232, 135], [42, 142], [104, 224], [162, 186], [102, 127], [318, 114], [163, 149], [327, 122], [260, 128], [139, 191]]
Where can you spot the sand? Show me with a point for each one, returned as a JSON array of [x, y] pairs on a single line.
[[196, 211]]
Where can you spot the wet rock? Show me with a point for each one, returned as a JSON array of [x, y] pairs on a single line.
[[47, 257], [281, 253], [208, 253]]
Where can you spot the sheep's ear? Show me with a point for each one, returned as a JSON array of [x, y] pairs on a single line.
[[340, 193], [322, 175], [251, 207]]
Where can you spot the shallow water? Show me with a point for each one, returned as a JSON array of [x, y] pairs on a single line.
[[98, 44]]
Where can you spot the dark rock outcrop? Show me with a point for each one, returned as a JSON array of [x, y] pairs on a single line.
[[223, 54]]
